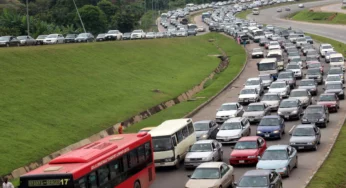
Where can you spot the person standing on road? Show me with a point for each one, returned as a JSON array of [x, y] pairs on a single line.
[[120, 128], [244, 43], [7, 184]]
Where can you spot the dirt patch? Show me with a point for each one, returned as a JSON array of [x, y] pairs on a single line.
[[330, 18]]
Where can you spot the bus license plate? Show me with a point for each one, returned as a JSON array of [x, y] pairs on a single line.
[[287, 116], [241, 161]]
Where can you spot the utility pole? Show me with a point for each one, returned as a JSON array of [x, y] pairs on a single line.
[[79, 16], [27, 17]]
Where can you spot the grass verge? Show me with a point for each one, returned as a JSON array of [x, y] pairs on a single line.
[[237, 58], [56, 95], [319, 17], [332, 173]]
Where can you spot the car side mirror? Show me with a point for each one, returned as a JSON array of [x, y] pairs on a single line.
[[189, 176]]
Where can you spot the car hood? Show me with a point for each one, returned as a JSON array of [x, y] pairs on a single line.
[[244, 152], [200, 183], [333, 91], [257, 113], [276, 90], [287, 109], [228, 133], [264, 128], [306, 87], [302, 99], [303, 139], [110, 34], [226, 113], [271, 103], [198, 154], [242, 96], [271, 164], [326, 102], [257, 53], [200, 133], [285, 79], [252, 86]]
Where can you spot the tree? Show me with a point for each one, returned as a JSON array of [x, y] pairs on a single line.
[[94, 19], [108, 8]]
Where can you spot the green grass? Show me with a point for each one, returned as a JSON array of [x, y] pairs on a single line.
[[319, 17], [237, 60], [54, 96], [332, 173]]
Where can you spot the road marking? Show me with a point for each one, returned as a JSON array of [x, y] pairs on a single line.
[[292, 128]]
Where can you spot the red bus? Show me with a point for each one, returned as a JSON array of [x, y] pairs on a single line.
[[121, 161]]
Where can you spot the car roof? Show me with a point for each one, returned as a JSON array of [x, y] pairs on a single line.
[[305, 126], [235, 119], [315, 105], [249, 138], [229, 103], [254, 78], [211, 165], [277, 147], [327, 94], [256, 103], [271, 94], [203, 121], [306, 79], [204, 142], [257, 172], [291, 99], [293, 63], [299, 90], [271, 116]]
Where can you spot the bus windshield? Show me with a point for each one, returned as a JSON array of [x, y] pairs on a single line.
[[266, 66], [162, 144]]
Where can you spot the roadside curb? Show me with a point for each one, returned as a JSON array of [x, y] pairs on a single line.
[[196, 110]]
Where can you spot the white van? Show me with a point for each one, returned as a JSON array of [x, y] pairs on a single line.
[[268, 66], [171, 141], [255, 11], [279, 57], [337, 60]]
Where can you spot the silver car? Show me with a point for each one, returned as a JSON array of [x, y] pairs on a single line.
[[203, 151], [310, 85], [257, 53], [248, 95], [280, 87], [303, 95], [306, 136], [290, 109], [233, 129], [272, 100], [267, 80], [289, 77], [256, 111]]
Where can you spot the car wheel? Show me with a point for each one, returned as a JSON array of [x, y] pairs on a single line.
[[316, 147], [280, 136], [288, 171], [137, 185], [296, 165], [7, 45], [18, 44]]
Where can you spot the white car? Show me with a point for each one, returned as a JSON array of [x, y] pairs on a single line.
[[203, 151], [296, 68], [138, 34], [324, 48], [233, 129], [272, 100], [255, 83], [200, 29], [211, 174], [301, 41], [228, 110], [274, 45], [267, 79], [280, 87], [268, 34], [333, 78], [257, 53], [113, 35], [279, 10], [256, 111], [54, 39], [301, 5], [249, 95], [327, 56]]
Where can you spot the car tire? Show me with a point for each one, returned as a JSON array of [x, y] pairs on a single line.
[[18, 44], [316, 147], [288, 171], [7, 45], [280, 136], [137, 185], [284, 132]]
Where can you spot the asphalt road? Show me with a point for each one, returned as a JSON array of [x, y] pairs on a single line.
[[270, 16], [333, 8]]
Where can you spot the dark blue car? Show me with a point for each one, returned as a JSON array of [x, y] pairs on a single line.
[[272, 126]]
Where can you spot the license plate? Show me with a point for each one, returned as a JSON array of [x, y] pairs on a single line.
[[287, 116], [266, 135], [252, 119], [241, 161], [301, 147]]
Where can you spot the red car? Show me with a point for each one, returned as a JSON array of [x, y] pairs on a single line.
[[330, 100], [247, 150], [315, 64]]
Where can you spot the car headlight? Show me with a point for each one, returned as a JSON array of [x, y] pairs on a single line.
[[279, 112], [168, 159], [259, 132], [341, 92], [282, 169], [311, 143], [294, 112], [204, 136], [186, 159], [322, 119], [252, 157], [283, 93], [206, 159], [276, 131], [292, 143], [304, 119]]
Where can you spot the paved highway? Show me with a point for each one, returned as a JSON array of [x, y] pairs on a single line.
[[270, 16], [333, 8]]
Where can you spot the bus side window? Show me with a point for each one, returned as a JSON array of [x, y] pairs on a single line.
[[148, 151], [92, 181], [103, 175], [190, 127], [141, 154], [133, 159], [185, 132], [179, 136], [114, 167], [81, 183]]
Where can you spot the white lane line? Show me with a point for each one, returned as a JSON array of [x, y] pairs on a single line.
[[292, 128]]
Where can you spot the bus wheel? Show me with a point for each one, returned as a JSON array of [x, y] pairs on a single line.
[[137, 185]]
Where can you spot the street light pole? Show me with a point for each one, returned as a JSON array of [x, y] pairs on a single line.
[[27, 18], [79, 16]]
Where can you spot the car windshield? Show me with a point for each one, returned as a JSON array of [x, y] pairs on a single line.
[[307, 83], [137, 31], [22, 37], [201, 126], [273, 55], [278, 85], [206, 173], [101, 35], [313, 52], [113, 32], [252, 82], [288, 104], [314, 65], [293, 53], [42, 37], [245, 145], [231, 126], [333, 78], [336, 59], [312, 110], [326, 47], [162, 143], [303, 132], [301, 40], [327, 98], [313, 72], [285, 75], [70, 36], [254, 108], [6, 38], [270, 98], [296, 59], [253, 181], [311, 58], [269, 122], [274, 155], [335, 71], [83, 35], [265, 77], [299, 93], [257, 50], [248, 91], [52, 36], [293, 67], [334, 86], [205, 147], [227, 107], [266, 66]]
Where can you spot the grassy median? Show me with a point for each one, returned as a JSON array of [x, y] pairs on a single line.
[[319, 17], [53, 96], [237, 59]]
